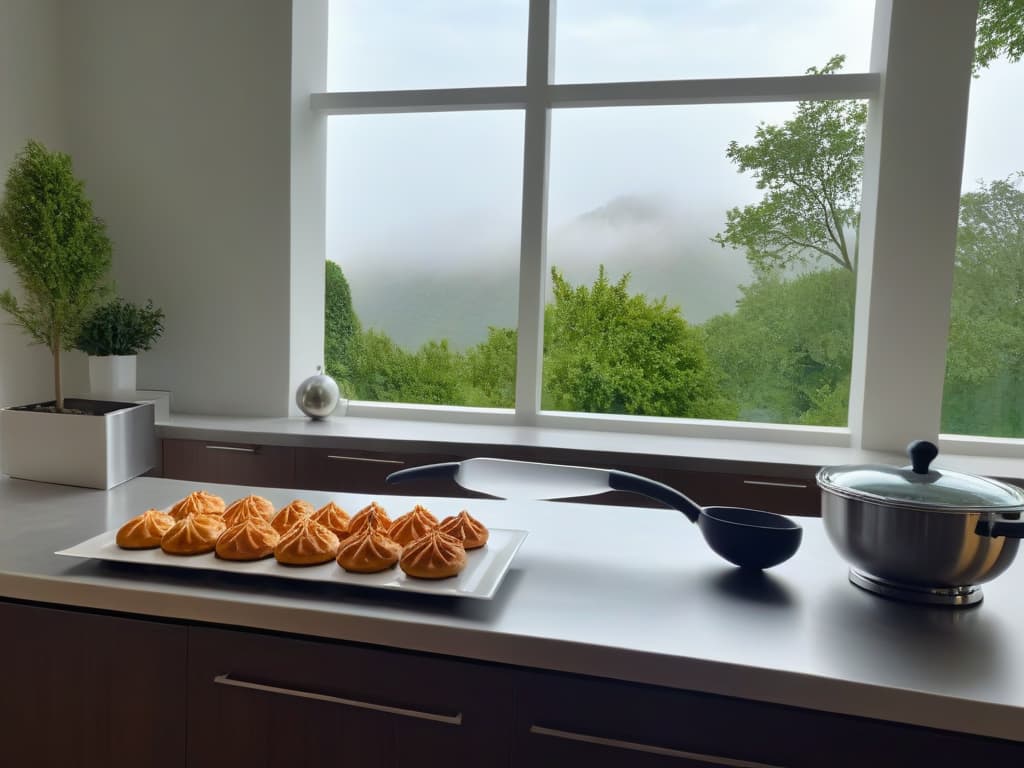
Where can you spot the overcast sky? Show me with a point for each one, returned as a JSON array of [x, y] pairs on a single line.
[[443, 190]]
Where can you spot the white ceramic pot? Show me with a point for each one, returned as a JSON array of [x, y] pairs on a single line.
[[112, 375]]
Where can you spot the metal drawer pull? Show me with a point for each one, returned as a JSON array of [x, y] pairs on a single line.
[[648, 748], [363, 458], [775, 484], [231, 448], [448, 719]]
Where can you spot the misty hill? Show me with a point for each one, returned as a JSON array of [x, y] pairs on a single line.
[[667, 251]]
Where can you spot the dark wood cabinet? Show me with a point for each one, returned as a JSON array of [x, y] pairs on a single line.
[[258, 700], [570, 720], [211, 461], [90, 690], [363, 469]]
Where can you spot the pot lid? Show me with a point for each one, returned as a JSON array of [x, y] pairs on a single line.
[[919, 487]]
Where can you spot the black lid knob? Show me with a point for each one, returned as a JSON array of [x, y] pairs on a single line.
[[922, 453]]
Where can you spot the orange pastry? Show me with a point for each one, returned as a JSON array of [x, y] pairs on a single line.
[[334, 517], [307, 543], [193, 535], [288, 515], [466, 528], [368, 551], [436, 556], [412, 525], [251, 539], [372, 515], [198, 503], [246, 507], [144, 531]]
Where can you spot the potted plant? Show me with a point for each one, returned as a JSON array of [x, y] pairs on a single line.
[[60, 253], [113, 336]]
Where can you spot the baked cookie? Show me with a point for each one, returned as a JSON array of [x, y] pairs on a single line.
[[307, 542], [368, 551], [334, 517], [372, 515], [412, 525], [193, 535], [197, 503], [466, 528], [251, 539], [246, 507], [144, 531], [436, 556], [288, 515]]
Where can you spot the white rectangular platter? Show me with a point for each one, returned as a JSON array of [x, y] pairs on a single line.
[[485, 567]]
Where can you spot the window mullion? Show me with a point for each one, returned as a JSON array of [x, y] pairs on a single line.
[[912, 172], [533, 238]]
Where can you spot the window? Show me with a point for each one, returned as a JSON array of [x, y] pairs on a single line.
[[599, 121]]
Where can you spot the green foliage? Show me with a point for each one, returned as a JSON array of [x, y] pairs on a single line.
[[984, 387], [607, 351], [810, 168], [59, 250], [1000, 32], [786, 350], [341, 328], [491, 370], [383, 371], [120, 328]]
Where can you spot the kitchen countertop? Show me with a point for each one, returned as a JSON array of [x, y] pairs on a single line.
[[625, 593]]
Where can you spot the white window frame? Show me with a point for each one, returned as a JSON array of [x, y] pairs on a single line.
[[917, 89]]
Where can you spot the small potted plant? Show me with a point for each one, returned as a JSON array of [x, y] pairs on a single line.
[[112, 337], [60, 253]]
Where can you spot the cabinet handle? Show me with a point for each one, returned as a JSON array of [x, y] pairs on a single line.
[[236, 448], [775, 484], [447, 719], [364, 458], [648, 748]]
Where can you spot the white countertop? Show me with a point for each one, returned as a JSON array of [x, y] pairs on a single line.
[[626, 593]]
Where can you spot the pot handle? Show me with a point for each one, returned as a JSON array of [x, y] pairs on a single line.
[[1011, 529]]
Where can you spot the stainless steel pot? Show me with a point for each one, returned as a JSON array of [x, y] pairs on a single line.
[[919, 534]]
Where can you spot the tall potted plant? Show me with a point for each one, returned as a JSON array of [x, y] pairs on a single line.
[[113, 336], [59, 250], [60, 253]]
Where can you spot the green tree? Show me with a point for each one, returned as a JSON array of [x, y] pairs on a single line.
[[382, 371], [810, 168], [609, 351], [984, 387], [1000, 32], [59, 250], [491, 370], [341, 327], [785, 352]]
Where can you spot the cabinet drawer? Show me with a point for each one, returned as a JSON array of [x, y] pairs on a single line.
[[259, 700], [214, 461], [566, 720], [362, 471]]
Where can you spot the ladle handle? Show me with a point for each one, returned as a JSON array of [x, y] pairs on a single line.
[[446, 469], [626, 481]]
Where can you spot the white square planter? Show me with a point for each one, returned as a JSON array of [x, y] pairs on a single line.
[[98, 451]]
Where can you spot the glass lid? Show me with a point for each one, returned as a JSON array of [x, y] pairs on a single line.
[[921, 487]]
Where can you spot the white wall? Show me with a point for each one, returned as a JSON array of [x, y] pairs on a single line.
[[178, 117], [30, 107]]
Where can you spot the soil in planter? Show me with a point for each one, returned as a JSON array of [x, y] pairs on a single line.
[[77, 406]]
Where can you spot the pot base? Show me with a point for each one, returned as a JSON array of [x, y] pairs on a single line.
[[957, 597]]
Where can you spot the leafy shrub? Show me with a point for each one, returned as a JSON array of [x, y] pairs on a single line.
[[121, 328]]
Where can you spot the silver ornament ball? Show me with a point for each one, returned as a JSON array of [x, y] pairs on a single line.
[[318, 396]]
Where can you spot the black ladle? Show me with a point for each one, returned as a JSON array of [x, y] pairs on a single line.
[[749, 538]]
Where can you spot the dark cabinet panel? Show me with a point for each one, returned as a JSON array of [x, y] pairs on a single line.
[[364, 471], [259, 700], [90, 690], [208, 461], [567, 720]]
